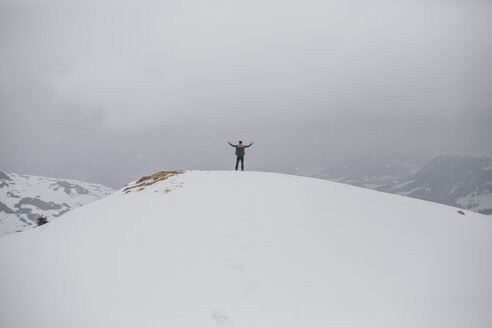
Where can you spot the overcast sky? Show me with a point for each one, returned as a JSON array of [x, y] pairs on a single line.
[[108, 91]]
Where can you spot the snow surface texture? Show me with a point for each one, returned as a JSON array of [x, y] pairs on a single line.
[[24, 198], [250, 249]]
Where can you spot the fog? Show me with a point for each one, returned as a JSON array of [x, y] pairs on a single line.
[[108, 91]]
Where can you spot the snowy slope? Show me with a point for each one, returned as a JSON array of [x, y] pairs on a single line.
[[23, 198], [250, 249]]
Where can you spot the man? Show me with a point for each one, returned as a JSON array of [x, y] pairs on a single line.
[[240, 153]]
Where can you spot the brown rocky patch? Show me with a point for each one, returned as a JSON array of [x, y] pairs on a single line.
[[151, 179]]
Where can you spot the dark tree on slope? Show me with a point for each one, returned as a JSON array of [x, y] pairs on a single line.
[[42, 220]]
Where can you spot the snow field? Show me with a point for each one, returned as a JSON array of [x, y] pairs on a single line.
[[250, 249]]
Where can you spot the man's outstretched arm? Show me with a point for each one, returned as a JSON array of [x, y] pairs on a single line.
[[231, 144], [249, 144]]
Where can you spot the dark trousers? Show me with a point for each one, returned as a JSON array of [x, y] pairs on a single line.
[[240, 159]]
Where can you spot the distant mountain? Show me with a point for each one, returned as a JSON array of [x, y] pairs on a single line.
[[23, 198], [462, 181], [371, 173]]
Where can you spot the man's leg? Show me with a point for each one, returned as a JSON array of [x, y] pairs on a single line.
[[237, 162], [242, 163]]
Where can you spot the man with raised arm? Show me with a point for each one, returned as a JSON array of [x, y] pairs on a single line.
[[240, 153]]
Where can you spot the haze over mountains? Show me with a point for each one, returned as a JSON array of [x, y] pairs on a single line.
[[461, 181], [249, 249]]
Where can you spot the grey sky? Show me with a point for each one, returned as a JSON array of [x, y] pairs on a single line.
[[107, 91]]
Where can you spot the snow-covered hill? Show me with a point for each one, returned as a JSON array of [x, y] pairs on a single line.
[[250, 249], [23, 198]]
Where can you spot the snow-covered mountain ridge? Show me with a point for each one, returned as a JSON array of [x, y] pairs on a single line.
[[23, 198], [250, 249]]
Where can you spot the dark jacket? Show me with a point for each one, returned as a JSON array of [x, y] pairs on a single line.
[[240, 149]]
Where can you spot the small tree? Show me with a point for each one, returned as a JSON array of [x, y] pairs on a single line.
[[42, 220]]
